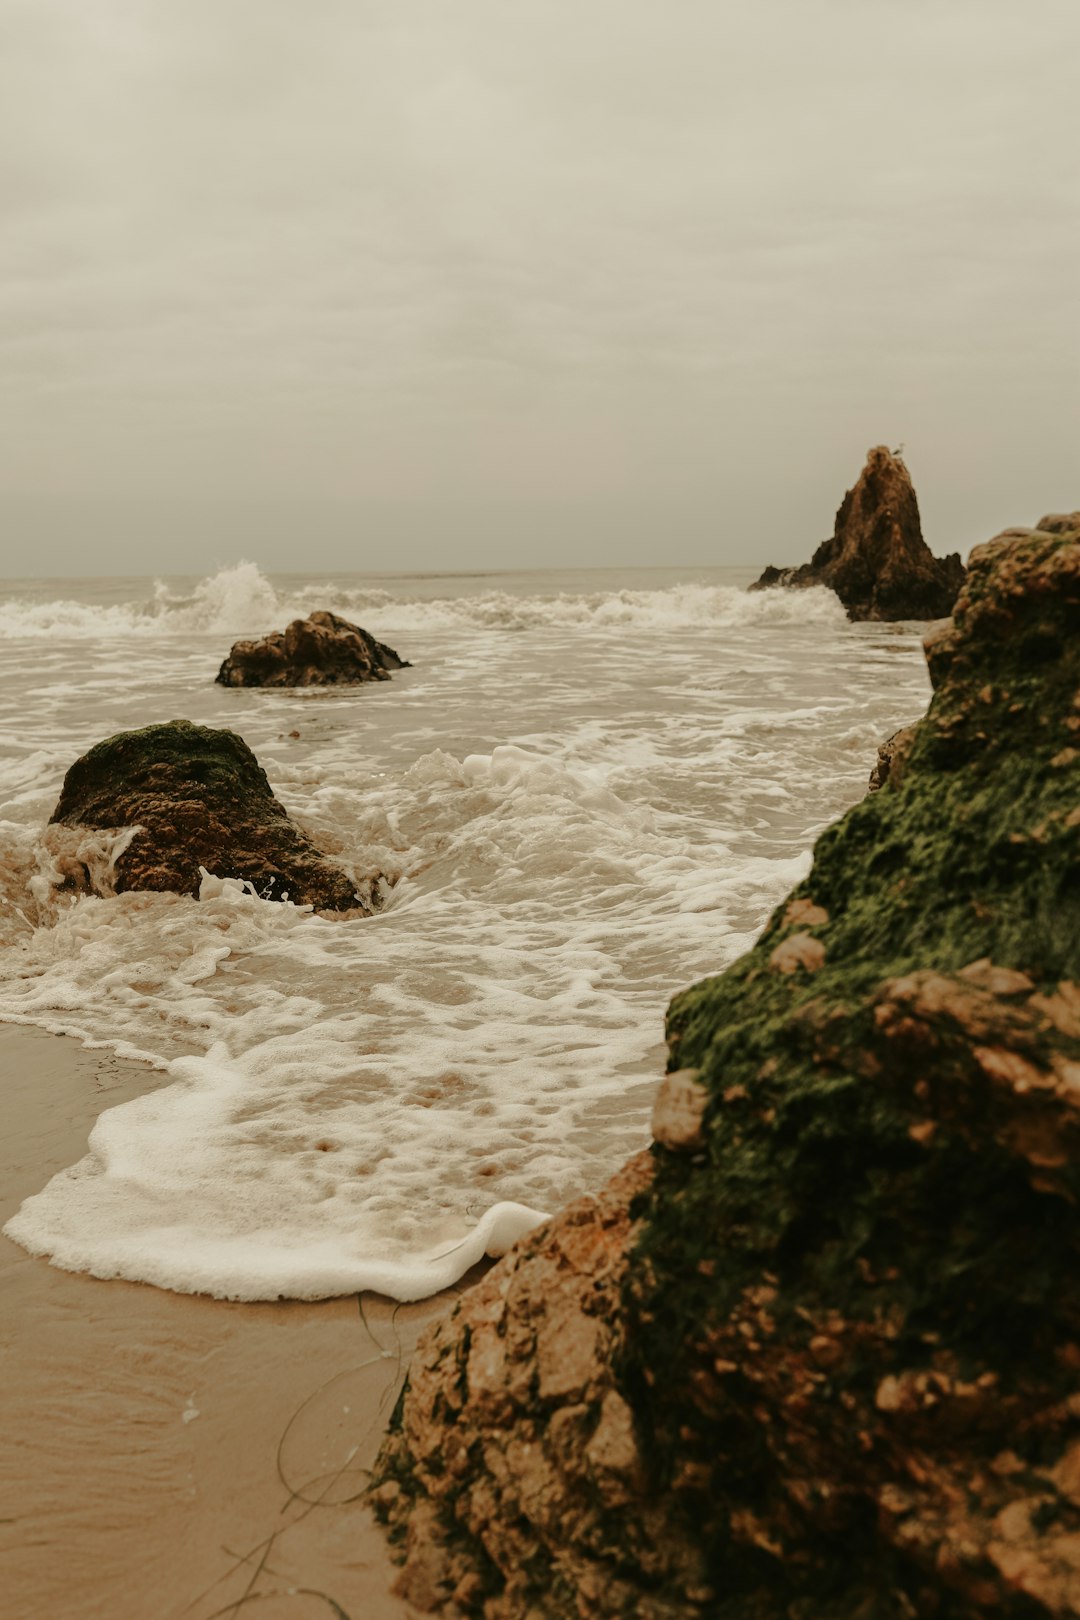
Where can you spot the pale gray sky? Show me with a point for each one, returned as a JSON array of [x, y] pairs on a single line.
[[472, 283]]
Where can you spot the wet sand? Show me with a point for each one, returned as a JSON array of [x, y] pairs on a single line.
[[166, 1456]]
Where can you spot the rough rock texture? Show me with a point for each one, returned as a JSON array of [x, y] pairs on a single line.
[[877, 561], [1059, 522], [678, 1114], [321, 650], [515, 1429], [842, 1377], [199, 798], [891, 758]]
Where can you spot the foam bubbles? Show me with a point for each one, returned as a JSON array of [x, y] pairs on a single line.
[[572, 822]]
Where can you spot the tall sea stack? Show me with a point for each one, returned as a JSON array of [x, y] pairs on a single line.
[[817, 1353], [877, 561]]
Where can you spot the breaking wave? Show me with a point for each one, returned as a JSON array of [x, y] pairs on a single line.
[[574, 820], [242, 599]]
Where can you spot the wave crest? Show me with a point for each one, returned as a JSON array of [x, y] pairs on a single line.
[[242, 600]]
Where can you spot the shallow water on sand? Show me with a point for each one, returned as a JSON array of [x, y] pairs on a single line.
[[589, 790]]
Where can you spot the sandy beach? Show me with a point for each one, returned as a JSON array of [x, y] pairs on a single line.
[[167, 1455]]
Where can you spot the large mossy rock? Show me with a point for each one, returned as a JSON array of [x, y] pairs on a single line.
[[321, 650], [876, 559], [200, 798], [825, 1363]]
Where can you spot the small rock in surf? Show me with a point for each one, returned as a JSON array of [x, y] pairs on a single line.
[[200, 799], [321, 650]]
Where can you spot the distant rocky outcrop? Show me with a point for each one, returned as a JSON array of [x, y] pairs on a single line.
[[877, 561], [818, 1354], [199, 798], [321, 650]]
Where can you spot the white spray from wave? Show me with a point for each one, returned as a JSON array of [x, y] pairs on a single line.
[[242, 600]]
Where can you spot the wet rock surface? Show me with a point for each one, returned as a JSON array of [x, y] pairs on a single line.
[[876, 560], [200, 799], [321, 650], [829, 1364]]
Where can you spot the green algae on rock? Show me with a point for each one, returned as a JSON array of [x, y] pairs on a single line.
[[200, 799], [842, 1343]]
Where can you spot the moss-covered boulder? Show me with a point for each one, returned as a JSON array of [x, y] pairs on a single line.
[[839, 1377], [321, 650], [199, 798]]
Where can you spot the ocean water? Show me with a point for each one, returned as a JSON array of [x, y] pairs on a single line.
[[590, 790]]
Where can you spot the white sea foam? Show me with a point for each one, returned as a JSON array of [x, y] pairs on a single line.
[[573, 826], [120, 1211], [241, 599]]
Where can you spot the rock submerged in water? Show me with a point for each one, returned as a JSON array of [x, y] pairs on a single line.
[[877, 561], [321, 650], [827, 1363], [200, 799]]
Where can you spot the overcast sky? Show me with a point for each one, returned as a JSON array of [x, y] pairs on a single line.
[[471, 283]]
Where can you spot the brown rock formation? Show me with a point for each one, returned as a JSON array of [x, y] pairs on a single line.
[[877, 561], [890, 758], [515, 1430], [824, 1364], [321, 650], [1059, 523], [199, 798]]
